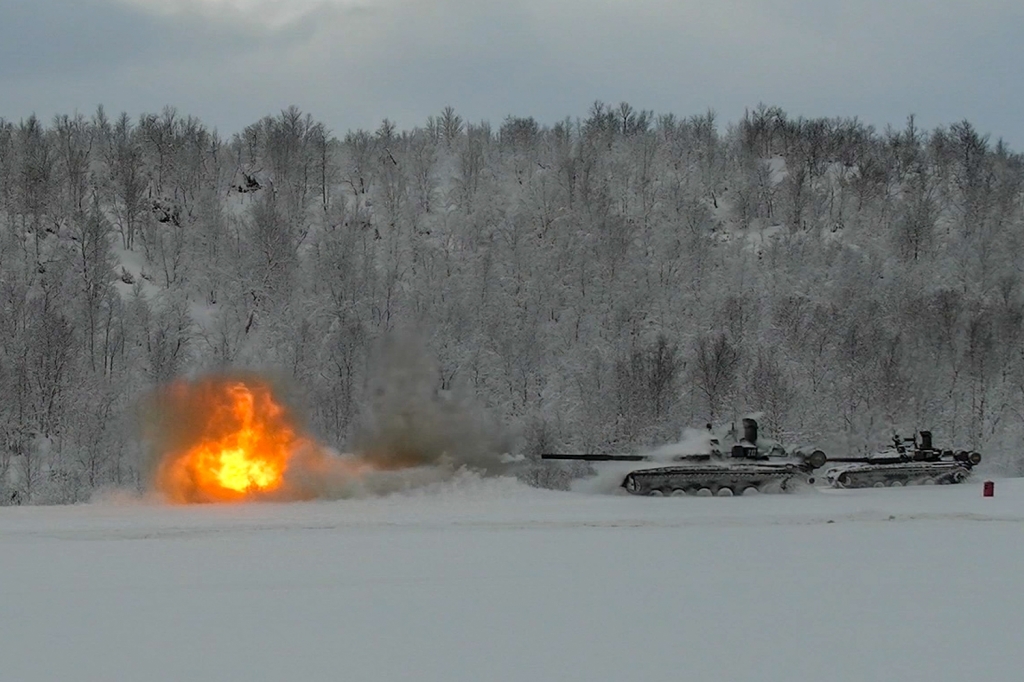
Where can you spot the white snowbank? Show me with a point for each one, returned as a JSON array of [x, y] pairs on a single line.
[[486, 579]]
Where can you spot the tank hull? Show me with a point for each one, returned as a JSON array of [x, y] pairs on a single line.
[[901, 474], [713, 479]]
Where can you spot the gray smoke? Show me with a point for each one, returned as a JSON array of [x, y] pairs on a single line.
[[410, 421], [411, 434]]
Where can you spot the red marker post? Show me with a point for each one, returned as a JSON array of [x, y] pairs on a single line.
[[989, 489]]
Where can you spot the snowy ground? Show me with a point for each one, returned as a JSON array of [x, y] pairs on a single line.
[[490, 580]]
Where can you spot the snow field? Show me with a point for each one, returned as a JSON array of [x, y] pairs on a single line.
[[491, 580]]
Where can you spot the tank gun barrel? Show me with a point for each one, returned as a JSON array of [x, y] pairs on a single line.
[[596, 457], [861, 460]]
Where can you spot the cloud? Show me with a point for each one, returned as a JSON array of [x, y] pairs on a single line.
[[272, 14], [353, 62], [54, 38], [45, 37]]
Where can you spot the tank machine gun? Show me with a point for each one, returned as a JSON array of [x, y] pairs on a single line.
[[748, 464], [907, 462]]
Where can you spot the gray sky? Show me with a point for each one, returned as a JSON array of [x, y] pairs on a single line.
[[350, 63]]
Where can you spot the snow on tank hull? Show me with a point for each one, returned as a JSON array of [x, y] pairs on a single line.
[[906, 463], [898, 474], [717, 479]]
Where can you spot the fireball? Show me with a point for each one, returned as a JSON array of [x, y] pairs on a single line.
[[223, 439], [227, 438]]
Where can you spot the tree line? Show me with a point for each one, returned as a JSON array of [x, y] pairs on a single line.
[[595, 284]]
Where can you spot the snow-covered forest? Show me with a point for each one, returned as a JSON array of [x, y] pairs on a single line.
[[596, 284]]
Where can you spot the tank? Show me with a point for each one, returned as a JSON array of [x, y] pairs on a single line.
[[907, 462], [745, 465]]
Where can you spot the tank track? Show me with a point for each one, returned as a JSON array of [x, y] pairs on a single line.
[[904, 473], [681, 480]]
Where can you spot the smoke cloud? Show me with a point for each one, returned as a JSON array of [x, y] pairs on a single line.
[[411, 434], [410, 422]]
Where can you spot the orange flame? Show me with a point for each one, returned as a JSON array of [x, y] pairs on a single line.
[[224, 439]]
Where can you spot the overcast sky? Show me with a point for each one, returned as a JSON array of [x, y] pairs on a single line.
[[351, 63]]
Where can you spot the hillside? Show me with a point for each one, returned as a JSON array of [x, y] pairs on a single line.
[[596, 284]]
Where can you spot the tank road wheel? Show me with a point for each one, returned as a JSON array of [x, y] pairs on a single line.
[[705, 492], [879, 484], [844, 481], [724, 491], [751, 490], [896, 484], [656, 492], [678, 492], [928, 481]]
